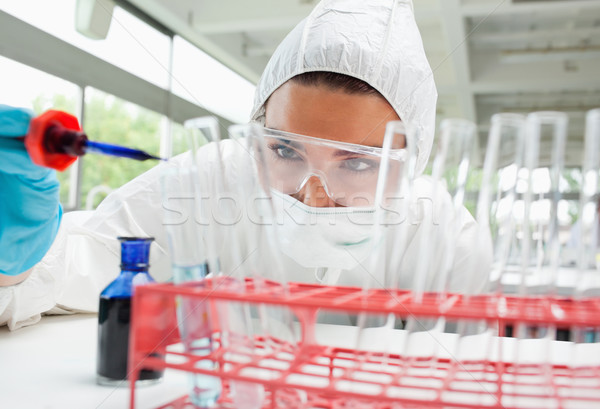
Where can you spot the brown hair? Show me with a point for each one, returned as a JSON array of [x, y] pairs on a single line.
[[335, 81]]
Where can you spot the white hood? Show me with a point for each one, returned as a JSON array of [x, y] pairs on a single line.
[[376, 41]]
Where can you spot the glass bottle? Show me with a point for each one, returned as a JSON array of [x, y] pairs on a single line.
[[114, 315]]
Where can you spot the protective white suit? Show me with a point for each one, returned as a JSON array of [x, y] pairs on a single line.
[[374, 40]]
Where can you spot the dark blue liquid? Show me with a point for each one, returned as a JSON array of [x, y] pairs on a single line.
[[114, 316], [114, 313], [116, 150]]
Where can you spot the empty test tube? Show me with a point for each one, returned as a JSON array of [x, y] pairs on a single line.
[[588, 253], [189, 238], [393, 221], [450, 170], [540, 249], [495, 225], [497, 194], [261, 259], [589, 201]]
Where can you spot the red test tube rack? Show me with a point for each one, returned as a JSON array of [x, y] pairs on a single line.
[[331, 377]]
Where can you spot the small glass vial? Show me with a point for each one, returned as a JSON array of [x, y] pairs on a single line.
[[114, 315]]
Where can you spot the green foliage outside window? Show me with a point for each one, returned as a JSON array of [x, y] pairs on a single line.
[[111, 120]]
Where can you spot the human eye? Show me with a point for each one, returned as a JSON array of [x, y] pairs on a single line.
[[283, 151], [360, 164]]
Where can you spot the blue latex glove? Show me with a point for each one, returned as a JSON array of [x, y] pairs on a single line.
[[30, 211]]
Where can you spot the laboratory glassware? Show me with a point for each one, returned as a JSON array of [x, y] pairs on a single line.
[[538, 253], [189, 228], [375, 332], [543, 129], [588, 249], [589, 201], [497, 194], [261, 256], [494, 229], [400, 180], [434, 270], [450, 170], [114, 315]]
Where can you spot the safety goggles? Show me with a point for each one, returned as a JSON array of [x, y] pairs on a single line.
[[347, 172]]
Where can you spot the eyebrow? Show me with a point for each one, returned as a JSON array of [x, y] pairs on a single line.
[[342, 153], [378, 146], [292, 144]]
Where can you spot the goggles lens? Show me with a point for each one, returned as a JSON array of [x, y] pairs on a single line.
[[347, 172]]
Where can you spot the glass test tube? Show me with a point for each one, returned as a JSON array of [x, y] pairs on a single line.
[[261, 259], [540, 249], [236, 260], [390, 231], [588, 249], [589, 201], [452, 164], [191, 244], [495, 225], [553, 127], [436, 235], [497, 194], [253, 187], [587, 241], [391, 206], [449, 171], [395, 193], [547, 248]]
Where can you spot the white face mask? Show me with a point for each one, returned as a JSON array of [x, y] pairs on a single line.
[[332, 237]]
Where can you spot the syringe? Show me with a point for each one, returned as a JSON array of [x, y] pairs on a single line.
[[55, 140]]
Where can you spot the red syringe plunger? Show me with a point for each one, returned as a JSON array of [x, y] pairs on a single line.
[[55, 140]]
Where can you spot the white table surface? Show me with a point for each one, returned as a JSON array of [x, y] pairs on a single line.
[[52, 365]]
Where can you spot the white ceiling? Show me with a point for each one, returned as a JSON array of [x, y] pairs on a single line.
[[488, 56]]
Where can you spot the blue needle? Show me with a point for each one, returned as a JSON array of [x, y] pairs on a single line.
[[116, 150]]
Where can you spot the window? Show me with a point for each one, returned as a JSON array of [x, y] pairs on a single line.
[[112, 120], [179, 142], [204, 81], [140, 49], [131, 44]]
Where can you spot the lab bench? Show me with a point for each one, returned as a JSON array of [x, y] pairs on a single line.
[[52, 365]]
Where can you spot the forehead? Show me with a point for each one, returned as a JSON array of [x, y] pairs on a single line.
[[329, 114]]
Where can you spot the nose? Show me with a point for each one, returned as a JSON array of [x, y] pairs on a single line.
[[313, 194]]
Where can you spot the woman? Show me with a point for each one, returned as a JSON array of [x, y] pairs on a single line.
[[343, 73]]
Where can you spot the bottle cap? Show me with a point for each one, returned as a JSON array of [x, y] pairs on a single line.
[[135, 253]]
